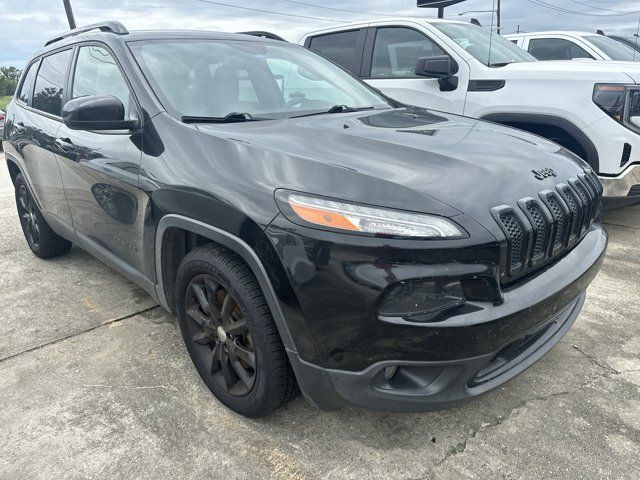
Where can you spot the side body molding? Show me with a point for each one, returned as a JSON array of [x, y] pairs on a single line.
[[236, 245]]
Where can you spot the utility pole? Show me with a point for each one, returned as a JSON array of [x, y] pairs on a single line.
[[440, 12], [67, 8], [498, 17]]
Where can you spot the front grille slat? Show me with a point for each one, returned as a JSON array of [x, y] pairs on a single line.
[[561, 219], [586, 200], [592, 175], [515, 238], [542, 229], [575, 211]]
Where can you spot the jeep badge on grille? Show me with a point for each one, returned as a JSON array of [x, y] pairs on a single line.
[[544, 173]]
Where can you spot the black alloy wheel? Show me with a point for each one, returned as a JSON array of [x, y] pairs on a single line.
[[42, 240], [230, 334], [28, 216], [218, 328]]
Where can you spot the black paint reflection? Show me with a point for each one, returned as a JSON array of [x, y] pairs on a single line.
[[116, 202]]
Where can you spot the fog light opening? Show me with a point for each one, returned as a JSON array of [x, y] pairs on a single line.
[[390, 372], [414, 298]]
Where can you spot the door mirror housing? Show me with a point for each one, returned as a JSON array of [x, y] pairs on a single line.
[[441, 66], [96, 112]]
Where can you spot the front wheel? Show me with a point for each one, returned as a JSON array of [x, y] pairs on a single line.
[[230, 334]]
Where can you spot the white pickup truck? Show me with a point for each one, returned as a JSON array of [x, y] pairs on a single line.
[[591, 108], [567, 45]]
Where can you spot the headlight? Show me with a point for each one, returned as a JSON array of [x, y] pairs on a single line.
[[370, 220], [633, 107], [620, 102]]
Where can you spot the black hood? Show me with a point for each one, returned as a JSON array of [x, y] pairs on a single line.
[[411, 159]]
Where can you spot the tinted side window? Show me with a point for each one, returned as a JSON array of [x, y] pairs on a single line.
[[556, 49], [342, 48], [97, 73], [49, 89], [396, 52], [25, 88]]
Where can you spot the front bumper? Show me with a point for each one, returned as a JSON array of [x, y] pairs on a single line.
[[445, 363], [623, 189]]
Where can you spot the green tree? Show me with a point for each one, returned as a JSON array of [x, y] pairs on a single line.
[[9, 77]]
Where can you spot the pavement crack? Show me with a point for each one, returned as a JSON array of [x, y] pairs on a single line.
[[126, 387], [597, 362], [460, 447], [75, 334]]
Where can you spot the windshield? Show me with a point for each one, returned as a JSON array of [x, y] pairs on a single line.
[[486, 48], [614, 49], [213, 78]]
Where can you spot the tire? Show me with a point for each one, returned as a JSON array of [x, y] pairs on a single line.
[[42, 240], [230, 334]]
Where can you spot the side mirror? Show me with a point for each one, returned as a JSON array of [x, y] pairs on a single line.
[[436, 67], [97, 112]]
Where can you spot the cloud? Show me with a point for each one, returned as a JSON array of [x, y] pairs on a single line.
[[27, 24]]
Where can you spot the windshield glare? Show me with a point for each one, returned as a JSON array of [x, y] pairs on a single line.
[[486, 48], [212, 78], [614, 49]]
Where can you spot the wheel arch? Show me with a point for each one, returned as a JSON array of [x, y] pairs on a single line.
[[534, 122], [172, 226], [14, 169]]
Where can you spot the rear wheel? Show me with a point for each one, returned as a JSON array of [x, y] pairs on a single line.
[[42, 240], [230, 334]]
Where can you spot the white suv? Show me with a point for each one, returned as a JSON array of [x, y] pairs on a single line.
[[573, 46], [591, 108]]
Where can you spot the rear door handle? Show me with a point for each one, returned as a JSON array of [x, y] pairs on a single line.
[[64, 145], [20, 127]]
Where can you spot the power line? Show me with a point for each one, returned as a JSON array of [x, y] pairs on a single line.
[[336, 9], [540, 3], [605, 9], [272, 12]]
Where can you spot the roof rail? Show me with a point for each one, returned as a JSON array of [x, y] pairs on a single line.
[[269, 35], [111, 26]]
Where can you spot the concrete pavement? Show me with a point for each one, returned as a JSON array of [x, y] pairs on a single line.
[[95, 383]]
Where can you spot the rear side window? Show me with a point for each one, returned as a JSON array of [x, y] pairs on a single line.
[[396, 52], [556, 49], [97, 73], [343, 48], [49, 89], [25, 88]]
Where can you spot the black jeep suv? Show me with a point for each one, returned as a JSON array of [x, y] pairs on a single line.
[[307, 231]]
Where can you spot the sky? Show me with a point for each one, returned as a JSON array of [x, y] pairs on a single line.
[[27, 24]]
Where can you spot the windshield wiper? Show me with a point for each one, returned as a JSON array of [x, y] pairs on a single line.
[[233, 117], [500, 64], [336, 109]]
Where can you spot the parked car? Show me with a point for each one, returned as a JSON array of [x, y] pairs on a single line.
[[1, 126], [590, 108], [630, 42], [564, 45], [303, 227]]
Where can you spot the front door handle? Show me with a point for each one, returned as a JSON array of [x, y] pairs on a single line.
[[64, 145]]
